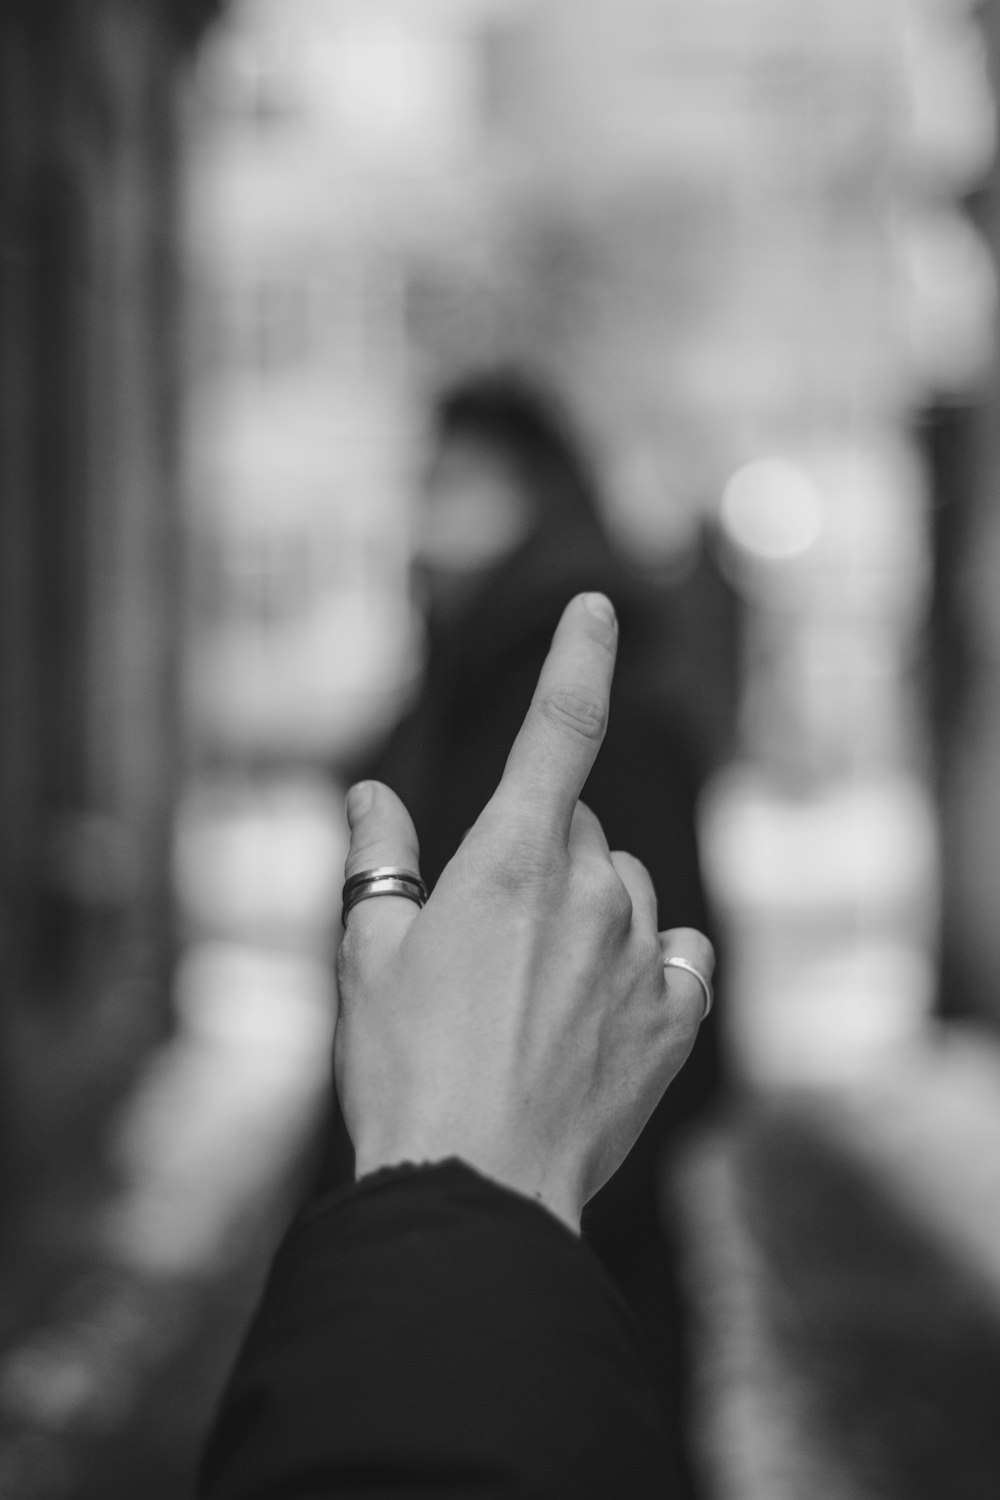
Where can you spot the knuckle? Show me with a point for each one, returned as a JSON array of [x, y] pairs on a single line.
[[619, 905], [362, 945], [579, 713], [605, 898], [348, 965], [650, 960], [354, 938]]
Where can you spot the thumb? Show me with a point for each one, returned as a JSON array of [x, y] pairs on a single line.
[[382, 835]]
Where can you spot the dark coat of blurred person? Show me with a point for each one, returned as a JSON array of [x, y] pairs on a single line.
[[510, 529]]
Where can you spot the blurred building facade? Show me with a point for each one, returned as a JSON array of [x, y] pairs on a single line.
[[962, 442], [733, 235], [89, 526]]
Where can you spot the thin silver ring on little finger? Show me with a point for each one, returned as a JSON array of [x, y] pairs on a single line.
[[675, 962]]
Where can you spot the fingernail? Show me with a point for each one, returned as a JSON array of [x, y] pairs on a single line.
[[601, 606], [359, 800]]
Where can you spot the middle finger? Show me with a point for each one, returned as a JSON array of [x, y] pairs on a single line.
[[586, 836]]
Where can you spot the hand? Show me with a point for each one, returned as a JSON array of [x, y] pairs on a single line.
[[522, 1020]]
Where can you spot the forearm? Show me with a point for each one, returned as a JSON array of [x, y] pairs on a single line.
[[429, 1331]]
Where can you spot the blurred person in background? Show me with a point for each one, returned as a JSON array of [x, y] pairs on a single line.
[[510, 526]]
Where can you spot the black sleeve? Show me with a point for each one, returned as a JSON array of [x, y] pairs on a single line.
[[427, 1332]]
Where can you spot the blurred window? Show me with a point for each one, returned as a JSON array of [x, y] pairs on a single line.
[[259, 577]]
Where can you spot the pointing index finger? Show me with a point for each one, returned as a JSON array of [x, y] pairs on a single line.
[[558, 742]]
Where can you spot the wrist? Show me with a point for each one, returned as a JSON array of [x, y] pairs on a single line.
[[554, 1196]]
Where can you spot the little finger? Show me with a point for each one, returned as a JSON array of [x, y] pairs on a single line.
[[688, 963]]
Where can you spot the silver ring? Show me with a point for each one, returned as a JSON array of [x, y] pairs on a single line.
[[703, 980], [387, 880]]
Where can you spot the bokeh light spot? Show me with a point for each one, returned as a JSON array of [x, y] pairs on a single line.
[[772, 509]]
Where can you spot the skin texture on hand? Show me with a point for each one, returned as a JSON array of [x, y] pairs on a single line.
[[523, 1020]]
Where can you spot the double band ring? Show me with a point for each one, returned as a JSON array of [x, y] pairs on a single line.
[[703, 980], [387, 880]]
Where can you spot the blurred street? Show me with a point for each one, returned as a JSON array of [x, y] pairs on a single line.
[[843, 1258]]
